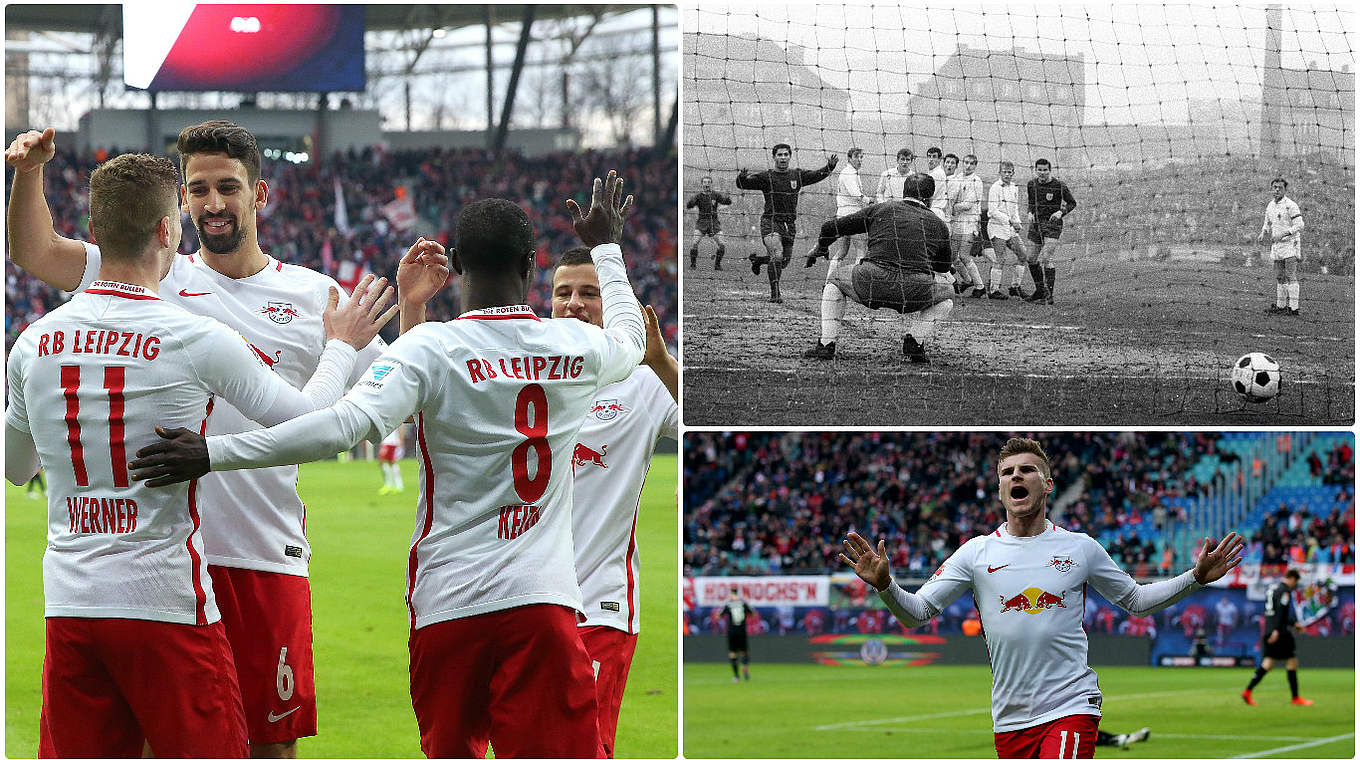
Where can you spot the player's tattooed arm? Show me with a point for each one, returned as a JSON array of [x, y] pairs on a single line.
[[34, 244], [422, 272]]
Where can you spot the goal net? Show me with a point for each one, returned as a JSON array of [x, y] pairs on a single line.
[[1167, 122]]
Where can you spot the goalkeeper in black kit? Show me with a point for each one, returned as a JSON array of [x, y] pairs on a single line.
[[781, 186], [707, 201], [1277, 640], [1049, 201], [736, 612]]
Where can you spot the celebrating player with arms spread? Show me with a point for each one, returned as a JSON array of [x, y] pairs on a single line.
[[610, 463], [1029, 578], [135, 650], [501, 395], [254, 522], [781, 186], [707, 200]]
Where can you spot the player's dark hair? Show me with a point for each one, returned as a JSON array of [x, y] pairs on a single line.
[[1292, 573], [220, 136], [1015, 446], [494, 236], [919, 186], [853, 152], [784, 146], [932, 151], [129, 195], [1042, 162], [1280, 180], [905, 153], [708, 177], [948, 156], [577, 254]]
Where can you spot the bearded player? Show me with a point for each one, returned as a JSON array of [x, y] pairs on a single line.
[[610, 462], [1028, 578], [254, 522], [491, 583]]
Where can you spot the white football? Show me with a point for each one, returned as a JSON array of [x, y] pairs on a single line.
[[1256, 377]]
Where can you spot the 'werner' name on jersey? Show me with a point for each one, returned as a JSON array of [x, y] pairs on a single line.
[[535, 368], [102, 515]]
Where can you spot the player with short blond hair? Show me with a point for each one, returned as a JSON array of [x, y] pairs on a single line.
[[1003, 226]]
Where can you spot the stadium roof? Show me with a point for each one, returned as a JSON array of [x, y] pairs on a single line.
[[94, 19]]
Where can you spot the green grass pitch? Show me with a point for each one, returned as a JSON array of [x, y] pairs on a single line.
[[360, 625], [945, 711]]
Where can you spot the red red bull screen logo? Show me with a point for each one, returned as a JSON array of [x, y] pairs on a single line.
[[1032, 600]]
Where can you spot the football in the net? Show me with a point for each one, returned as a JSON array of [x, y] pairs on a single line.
[[1256, 377]]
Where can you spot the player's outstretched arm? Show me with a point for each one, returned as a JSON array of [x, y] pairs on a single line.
[[1213, 562], [602, 229], [33, 243], [872, 568], [365, 312], [660, 361], [1216, 558], [422, 272]]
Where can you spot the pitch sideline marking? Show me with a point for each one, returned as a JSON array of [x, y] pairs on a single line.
[[1291, 747], [977, 711]]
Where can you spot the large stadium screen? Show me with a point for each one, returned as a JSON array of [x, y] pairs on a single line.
[[243, 48]]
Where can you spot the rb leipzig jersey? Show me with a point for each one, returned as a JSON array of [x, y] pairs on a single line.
[[501, 396], [1031, 594], [90, 381], [610, 463], [255, 519]]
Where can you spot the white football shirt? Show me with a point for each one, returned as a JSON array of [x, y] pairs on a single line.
[[610, 462], [849, 193], [255, 518], [89, 382], [891, 184], [501, 397], [1003, 208], [939, 202], [1283, 217], [1031, 593]]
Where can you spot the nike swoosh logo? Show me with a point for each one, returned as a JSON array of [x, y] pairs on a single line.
[[991, 569], [186, 294], [276, 718]]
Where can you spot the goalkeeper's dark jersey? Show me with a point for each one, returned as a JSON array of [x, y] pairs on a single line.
[[903, 236], [1045, 198], [781, 189], [707, 202], [736, 614]]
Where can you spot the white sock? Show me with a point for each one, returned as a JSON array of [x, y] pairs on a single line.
[[1019, 275], [833, 308], [1281, 296], [387, 475], [1292, 292], [922, 323], [974, 273], [396, 476], [996, 278]]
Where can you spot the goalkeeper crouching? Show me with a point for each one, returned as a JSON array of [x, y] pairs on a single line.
[[906, 268]]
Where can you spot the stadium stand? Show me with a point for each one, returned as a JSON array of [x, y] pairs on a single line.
[[300, 218]]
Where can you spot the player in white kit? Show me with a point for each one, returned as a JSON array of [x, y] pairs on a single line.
[[254, 530], [939, 202], [1003, 226], [391, 451], [610, 463], [1284, 226], [135, 650], [1029, 580], [965, 193], [500, 398]]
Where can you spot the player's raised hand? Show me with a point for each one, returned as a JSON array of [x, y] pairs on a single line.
[[183, 455], [833, 159], [362, 316], [1215, 559], [422, 272], [656, 342], [608, 208], [32, 149], [870, 566]]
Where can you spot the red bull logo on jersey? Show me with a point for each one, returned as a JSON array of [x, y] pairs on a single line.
[[1062, 563], [1032, 600], [607, 409], [281, 312], [583, 454]]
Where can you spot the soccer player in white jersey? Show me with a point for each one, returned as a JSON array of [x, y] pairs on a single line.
[[935, 168], [254, 523], [1284, 226], [612, 455], [500, 398], [135, 650], [965, 215], [391, 451], [1003, 225], [1028, 578], [890, 180]]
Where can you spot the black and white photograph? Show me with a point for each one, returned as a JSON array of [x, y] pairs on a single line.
[[1048, 214]]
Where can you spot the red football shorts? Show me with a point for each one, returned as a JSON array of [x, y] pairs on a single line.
[[268, 619], [611, 654], [1073, 736], [519, 679], [387, 453], [110, 683]]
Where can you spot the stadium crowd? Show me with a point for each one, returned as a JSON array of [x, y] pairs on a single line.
[[300, 220], [759, 503]]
